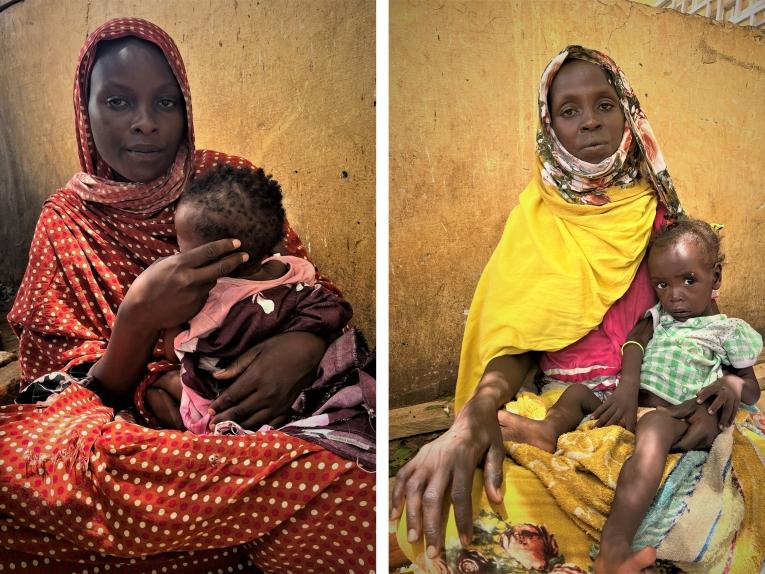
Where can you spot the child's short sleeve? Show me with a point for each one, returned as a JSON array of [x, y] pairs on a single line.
[[742, 346]]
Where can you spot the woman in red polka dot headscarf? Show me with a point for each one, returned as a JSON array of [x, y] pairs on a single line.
[[78, 486]]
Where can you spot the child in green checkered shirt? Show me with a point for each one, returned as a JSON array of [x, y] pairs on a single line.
[[675, 356]]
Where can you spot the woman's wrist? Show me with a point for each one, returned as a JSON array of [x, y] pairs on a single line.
[[124, 362], [133, 316]]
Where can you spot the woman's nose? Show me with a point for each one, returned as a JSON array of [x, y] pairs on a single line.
[[143, 121], [590, 121]]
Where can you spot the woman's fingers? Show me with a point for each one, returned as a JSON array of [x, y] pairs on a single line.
[[462, 485], [211, 252], [413, 508], [213, 260], [433, 512], [397, 496], [239, 365], [267, 416], [492, 472]]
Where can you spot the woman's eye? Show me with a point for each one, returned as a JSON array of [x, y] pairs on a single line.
[[116, 103], [607, 106], [167, 103], [568, 113]]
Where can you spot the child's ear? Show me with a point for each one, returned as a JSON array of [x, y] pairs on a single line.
[[718, 276]]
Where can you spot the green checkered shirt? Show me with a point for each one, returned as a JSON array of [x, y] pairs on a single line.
[[685, 356]]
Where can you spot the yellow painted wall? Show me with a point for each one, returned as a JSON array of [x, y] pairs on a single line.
[[463, 78], [288, 85]]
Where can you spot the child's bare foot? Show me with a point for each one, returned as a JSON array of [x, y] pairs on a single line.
[[516, 428], [614, 559]]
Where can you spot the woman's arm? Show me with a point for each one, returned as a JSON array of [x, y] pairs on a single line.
[[167, 293], [450, 461]]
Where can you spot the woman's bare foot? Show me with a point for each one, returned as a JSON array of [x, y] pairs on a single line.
[[620, 559], [516, 428]]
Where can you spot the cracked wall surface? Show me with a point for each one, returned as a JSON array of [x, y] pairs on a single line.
[[463, 78], [290, 86]]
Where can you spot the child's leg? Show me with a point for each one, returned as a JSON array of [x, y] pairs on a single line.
[[574, 404], [638, 483]]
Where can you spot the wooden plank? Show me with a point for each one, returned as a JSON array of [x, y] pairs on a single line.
[[423, 418]]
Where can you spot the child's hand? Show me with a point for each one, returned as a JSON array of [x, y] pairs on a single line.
[[727, 392], [618, 409]]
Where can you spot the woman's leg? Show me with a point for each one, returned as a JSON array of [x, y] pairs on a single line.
[[637, 485], [576, 402]]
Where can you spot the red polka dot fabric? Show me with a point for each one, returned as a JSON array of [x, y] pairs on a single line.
[[81, 488], [83, 492]]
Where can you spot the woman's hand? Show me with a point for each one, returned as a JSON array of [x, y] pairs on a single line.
[[173, 289], [704, 427], [618, 409], [449, 462], [269, 377], [444, 469], [727, 396], [168, 292]]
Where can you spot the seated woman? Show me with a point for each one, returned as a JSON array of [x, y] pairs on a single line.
[[78, 485], [564, 289]]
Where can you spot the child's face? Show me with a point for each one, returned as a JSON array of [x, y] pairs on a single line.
[[585, 112], [683, 279], [185, 223]]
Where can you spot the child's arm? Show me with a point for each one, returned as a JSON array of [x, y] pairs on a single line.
[[621, 407], [742, 345], [730, 390]]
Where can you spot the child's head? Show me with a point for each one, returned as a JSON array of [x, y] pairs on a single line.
[[685, 266], [585, 112], [229, 202]]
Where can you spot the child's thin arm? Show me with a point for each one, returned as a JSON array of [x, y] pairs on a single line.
[[740, 385], [621, 407]]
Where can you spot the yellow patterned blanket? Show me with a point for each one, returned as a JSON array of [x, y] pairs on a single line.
[[706, 516]]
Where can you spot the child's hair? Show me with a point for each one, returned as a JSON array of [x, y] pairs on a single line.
[[695, 230], [238, 202]]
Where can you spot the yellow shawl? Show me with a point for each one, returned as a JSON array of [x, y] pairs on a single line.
[[557, 269]]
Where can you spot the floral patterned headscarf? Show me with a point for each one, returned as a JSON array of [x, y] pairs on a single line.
[[638, 154]]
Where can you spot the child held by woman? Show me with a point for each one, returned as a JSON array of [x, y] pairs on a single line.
[[264, 297], [678, 354]]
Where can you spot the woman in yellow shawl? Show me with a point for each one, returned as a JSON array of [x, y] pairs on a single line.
[[563, 288]]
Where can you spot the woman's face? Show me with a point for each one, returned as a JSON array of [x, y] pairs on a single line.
[[136, 109], [585, 111]]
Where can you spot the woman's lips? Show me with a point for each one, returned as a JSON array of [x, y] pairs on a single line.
[[144, 152]]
